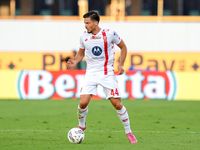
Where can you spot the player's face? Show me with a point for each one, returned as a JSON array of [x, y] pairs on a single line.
[[90, 25]]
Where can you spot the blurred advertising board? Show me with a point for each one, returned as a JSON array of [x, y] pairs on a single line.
[[179, 62], [42, 84]]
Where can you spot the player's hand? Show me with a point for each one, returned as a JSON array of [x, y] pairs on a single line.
[[120, 70], [70, 63]]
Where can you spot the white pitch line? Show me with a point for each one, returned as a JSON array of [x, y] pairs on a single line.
[[182, 132], [19, 130], [98, 131]]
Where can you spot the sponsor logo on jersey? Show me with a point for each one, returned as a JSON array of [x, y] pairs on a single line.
[[95, 37], [115, 34], [96, 51], [102, 57]]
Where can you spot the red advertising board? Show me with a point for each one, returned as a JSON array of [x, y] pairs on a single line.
[[41, 84]]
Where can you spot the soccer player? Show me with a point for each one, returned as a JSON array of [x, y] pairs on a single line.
[[97, 45]]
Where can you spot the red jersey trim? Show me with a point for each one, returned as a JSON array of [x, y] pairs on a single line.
[[106, 52]]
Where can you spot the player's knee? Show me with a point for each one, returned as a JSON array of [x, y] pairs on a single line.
[[83, 104], [84, 101], [118, 105]]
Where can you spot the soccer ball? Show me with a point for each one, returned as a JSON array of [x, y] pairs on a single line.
[[76, 135]]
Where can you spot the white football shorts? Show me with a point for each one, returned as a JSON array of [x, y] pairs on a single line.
[[108, 82]]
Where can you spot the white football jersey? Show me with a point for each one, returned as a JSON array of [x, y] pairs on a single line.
[[99, 51]]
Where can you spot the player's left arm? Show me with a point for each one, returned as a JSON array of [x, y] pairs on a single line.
[[123, 48]]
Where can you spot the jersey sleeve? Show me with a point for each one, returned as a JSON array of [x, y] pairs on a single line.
[[115, 38], [82, 46]]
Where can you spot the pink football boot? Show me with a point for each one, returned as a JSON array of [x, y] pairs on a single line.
[[82, 128], [131, 137]]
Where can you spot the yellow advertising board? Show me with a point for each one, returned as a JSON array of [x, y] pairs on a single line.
[[8, 84], [188, 87], [163, 61], [181, 62], [34, 61]]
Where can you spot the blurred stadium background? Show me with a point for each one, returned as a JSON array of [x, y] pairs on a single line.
[[162, 36]]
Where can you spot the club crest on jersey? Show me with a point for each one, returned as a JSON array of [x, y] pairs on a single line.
[[96, 51], [105, 38]]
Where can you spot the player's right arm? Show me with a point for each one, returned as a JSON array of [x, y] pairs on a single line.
[[71, 63]]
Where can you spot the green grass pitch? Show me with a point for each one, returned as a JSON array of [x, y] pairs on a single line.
[[44, 124]]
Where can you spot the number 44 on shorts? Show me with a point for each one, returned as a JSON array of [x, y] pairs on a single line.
[[114, 92]]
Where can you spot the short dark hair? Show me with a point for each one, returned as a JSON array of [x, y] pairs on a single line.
[[93, 14]]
